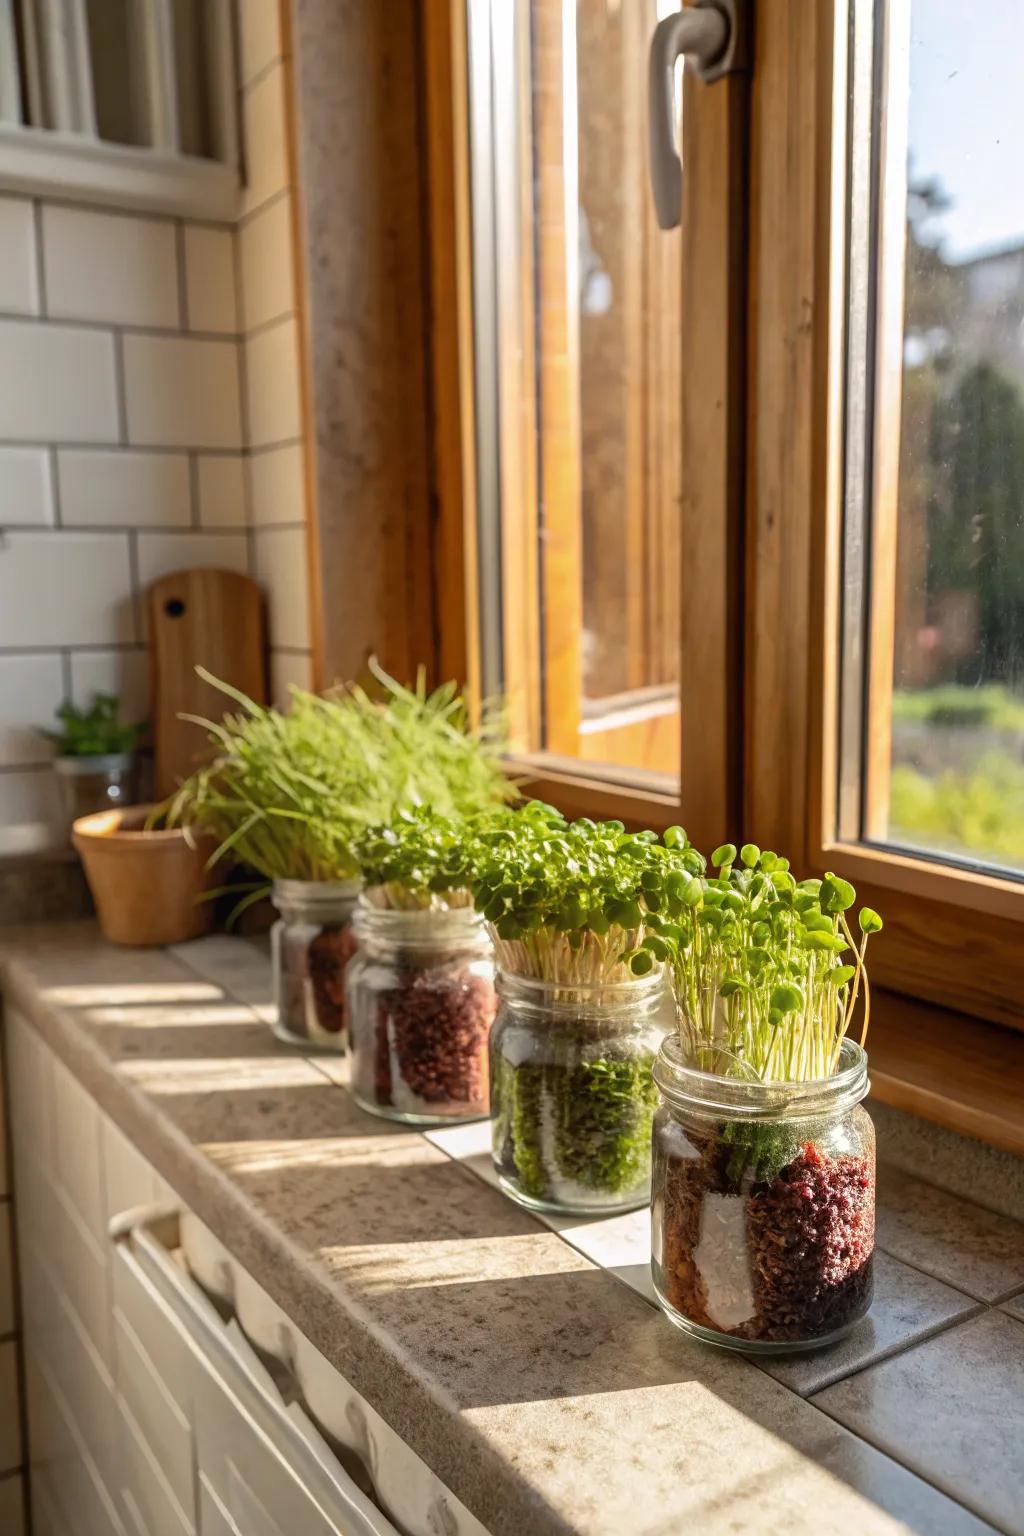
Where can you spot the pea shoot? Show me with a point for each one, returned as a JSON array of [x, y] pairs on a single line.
[[767, 970]]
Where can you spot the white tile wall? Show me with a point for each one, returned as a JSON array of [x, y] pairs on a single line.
[[128, 451], [64, 589], [57, 384], [181, 392], [162, 553], [278, 486], [110, 267], [272, 380], [31, 689], [210, 279], [19, 281], [281, 566], [268, 276], [122, 489], [222, 491], [26, 489], [124, 673], [30, 817]]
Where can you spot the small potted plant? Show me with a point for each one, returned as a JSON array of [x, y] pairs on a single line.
[[577, 1030], [420, 992], [289, 795], [764, 1178], [95, 762]]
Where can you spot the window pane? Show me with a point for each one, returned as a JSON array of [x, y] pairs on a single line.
[[586, 301], [956, 779]]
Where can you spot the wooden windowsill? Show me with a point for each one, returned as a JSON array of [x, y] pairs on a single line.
[[962, 1073]]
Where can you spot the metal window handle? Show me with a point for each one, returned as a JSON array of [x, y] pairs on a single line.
[[712, 36]]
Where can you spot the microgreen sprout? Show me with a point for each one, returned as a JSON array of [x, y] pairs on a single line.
[[569, 902], [767, 970], [416, 862]]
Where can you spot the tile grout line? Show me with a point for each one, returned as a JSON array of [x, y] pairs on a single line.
[[122, 394], [180, 262], [133, 583], [193, 489], [37, 224], [909, 1466], [55, 497], [126, 327]]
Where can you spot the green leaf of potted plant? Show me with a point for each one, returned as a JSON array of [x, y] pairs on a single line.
[[578, 1029], [289, 795], [763, 1197]]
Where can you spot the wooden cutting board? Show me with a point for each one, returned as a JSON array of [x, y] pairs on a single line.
[[214, 619]]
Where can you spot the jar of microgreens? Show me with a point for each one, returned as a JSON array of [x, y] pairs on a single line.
[[763, 1199], [311, 945], [572, 1090], [421, 1002], [763, 1204], [578, 1027]]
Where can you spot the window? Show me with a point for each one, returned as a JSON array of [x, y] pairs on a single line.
[[933, 753], [578, 306]]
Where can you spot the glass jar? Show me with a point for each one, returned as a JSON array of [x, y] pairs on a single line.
[[97, 783], [763, 1205], [572, 1091], [311, 945], [420, 1006]]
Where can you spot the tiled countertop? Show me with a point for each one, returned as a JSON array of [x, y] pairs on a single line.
[[524, 1360]]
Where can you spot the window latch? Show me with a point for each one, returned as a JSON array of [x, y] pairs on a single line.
[[712, 36]]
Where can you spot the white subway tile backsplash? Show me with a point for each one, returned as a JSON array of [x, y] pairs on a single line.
[[57, 384], [268, 264], [266, 138], [260, 40], [123, 673], [277, 485], [280, 558], [19, 281], [109, 267], [30, 816], [289, 670], [64, 589], [31, 689], [272, 381], [182, 392], [222, 492], [210, 279], [124, 489], [162, 553], [26, 491]]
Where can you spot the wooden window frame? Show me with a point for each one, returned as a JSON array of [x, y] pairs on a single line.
[[763, 441]]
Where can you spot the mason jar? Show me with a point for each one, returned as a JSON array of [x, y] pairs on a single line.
[[420, 1006], [311, 945], [104, 782], [763, 1204], [572, 1091]]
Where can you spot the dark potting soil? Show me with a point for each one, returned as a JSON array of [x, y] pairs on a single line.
[[780, 1259], [315, 966], [329, 955], [432, 1031]]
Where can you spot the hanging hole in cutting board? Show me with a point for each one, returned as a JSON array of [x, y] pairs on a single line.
[[174, 607]]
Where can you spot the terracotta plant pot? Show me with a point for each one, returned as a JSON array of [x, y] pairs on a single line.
[[145, 885]]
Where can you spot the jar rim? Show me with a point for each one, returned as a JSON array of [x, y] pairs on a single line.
[[516, 986], [426, 926], [315, 890], [750, 1099]]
